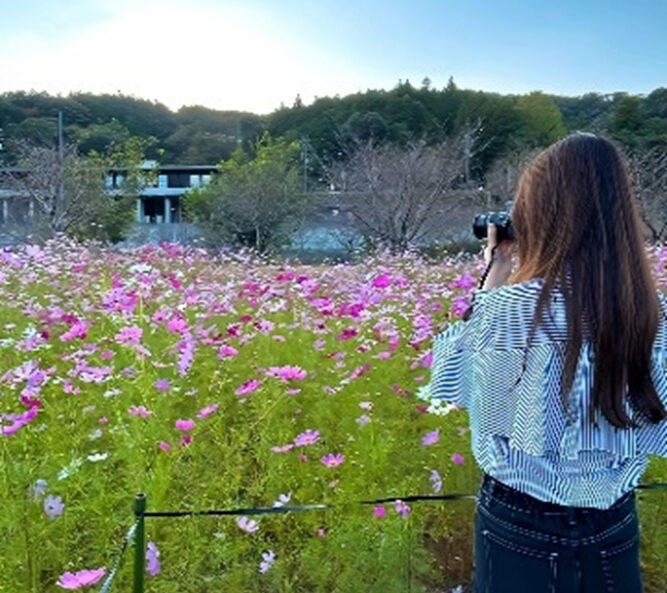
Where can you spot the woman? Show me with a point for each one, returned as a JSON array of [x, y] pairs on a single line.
[[561, 365]]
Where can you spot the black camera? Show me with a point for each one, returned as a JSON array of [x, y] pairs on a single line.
[[502, 220]]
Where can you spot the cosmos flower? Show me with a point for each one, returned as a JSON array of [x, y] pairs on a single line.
[[333, 459], [436, 481], [309, 437], [184, 425], [83, 578], [53, 506], [140, 411], [430, 438], [402, 509], [268, 558], [379, 511], [248, 387], [247, 525], [152, 559], [207, 410], [287, 373], [162, 384], [457, 459]]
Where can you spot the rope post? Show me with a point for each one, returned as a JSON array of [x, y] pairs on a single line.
[[139, 544]]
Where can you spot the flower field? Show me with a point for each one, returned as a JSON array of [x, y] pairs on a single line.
[[226, 382]]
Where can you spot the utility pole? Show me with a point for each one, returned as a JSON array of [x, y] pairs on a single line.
[[61, 181]]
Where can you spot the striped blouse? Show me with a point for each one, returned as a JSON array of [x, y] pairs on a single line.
[[520, 434]]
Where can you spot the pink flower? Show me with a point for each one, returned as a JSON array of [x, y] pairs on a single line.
[[381, 281], [402, 509], [457, 459], [303, 458], [309, 437], [140, 411], [186, 440], [162, 384], [247, 525], [465, 281], [164, 445], [282, 448], [129, 336], [207, 410], [333, 459], [177, 325], [103, 420], [227, 352], [248, 387], [459, 306], [83, 578], [287, 373], [430, 438], [184, 425], [321, 532], [293, 391], [379, 511]]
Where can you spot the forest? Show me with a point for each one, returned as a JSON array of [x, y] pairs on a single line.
[[200, 135]]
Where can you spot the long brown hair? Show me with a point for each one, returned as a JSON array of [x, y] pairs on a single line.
[[577, 227]]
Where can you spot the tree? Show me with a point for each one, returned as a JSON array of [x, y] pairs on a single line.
[[401, 197], [255, 202], [649, 168], [541, 120], [66, 193]]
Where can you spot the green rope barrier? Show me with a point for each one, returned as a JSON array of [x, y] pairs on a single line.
[[119, 559]]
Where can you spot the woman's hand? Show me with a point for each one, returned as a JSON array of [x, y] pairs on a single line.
[[502, 262]]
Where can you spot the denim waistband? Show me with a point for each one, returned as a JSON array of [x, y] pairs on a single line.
[[516, 498]]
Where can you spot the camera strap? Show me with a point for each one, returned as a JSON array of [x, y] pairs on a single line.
[[469, 310]]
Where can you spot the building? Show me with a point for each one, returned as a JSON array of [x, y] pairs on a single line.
[[159, 213]]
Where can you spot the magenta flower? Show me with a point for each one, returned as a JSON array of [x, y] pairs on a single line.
[[333, 459], [381, 281], [309, 437], [247, 525], [379, 511], [248, 387], [53, 506], [152, 558], [430, 438], [83, 578], [227, 352], [207, 410], [457, 459], [184, 425], [287, 373], [164, 445]]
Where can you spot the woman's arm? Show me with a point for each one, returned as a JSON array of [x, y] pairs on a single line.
[[502, 259]]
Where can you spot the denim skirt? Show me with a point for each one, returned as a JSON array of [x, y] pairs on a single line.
[[523, 544]]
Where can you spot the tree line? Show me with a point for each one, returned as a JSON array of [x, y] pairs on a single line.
[[409, 164]]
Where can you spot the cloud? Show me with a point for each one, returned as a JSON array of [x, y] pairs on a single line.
[[178, 53]]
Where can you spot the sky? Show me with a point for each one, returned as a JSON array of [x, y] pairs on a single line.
[[253, 55]]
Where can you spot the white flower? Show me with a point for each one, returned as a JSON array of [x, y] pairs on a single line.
[[247, 525], [268, 558], [97, 457], [283, 499]]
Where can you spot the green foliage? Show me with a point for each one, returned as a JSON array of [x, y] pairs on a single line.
[[253, 202], [541, 122]]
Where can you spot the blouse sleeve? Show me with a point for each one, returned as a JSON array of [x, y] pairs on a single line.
[[453, 354]]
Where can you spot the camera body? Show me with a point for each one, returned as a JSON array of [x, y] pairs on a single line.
[[502, 221]]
